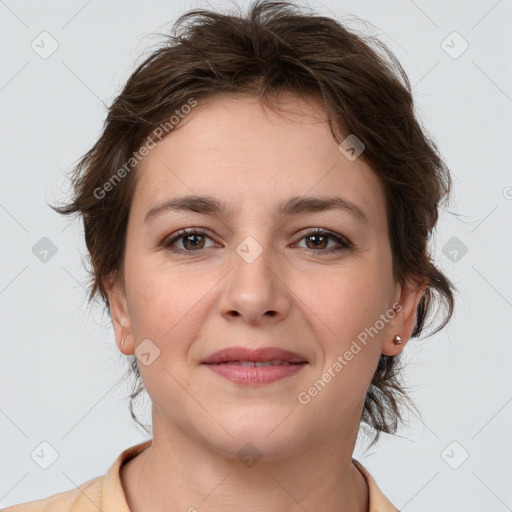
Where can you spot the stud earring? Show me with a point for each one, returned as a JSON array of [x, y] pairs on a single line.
[[397, 340]]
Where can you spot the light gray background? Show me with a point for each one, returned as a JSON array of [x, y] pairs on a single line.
[[59, 364]]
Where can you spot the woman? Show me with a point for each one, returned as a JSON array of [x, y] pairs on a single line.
[[257, 211]]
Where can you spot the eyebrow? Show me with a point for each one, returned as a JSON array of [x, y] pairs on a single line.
[[293, 206]]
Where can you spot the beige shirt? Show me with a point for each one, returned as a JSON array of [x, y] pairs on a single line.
[[106, 492]]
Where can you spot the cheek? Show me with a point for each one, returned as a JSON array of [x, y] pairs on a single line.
[[156, 293], [351, 333], [167, 304], [348, 310]]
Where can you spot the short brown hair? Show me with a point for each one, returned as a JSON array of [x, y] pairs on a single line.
[[277, 47]]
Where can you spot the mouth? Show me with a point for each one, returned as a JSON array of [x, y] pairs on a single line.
[[255, 366], [242, 355]]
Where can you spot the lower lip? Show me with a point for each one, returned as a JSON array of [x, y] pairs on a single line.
[[255, 375]]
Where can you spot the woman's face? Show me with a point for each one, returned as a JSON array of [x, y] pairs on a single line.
[[256, 278]]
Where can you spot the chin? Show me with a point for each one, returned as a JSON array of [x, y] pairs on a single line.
[[260, 434]]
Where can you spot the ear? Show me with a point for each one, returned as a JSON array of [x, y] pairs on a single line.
[[407, 298], [121, 320]]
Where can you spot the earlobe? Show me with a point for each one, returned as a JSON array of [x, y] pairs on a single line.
[[125, 346], [402, 326], [120, 317]]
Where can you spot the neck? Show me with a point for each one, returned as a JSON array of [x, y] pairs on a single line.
[[178, 472]]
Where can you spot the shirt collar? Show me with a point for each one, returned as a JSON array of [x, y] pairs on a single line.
[[378, 502], [114, 499]]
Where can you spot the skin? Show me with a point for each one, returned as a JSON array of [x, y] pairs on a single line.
[[191, 304]]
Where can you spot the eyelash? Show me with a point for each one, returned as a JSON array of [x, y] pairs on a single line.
[[342, 241]]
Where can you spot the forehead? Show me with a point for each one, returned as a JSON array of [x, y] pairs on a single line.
[[233, 149]]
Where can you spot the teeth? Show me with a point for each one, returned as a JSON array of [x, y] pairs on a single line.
[[259, 364], [270, 363]]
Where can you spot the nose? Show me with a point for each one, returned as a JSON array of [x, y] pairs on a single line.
[[255, 292]]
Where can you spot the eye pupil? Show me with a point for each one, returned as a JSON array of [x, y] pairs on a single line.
[[188, 239], [192, 237], [320, 238]]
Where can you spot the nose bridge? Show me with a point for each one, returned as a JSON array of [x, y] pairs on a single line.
[[252, 263], [253, 290]]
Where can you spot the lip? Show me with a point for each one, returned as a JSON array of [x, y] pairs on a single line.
[[255, 376], [224, 363], [259, 354]]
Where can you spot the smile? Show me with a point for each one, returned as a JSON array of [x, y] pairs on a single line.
[[255, 363], [255, 372]]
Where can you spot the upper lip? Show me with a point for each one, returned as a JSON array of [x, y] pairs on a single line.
[[258, 354]]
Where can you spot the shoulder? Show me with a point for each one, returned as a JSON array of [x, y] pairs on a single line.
[[378, 501], [85, 498], [104, 493]]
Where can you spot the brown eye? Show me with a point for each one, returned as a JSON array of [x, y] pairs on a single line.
[[190, 240], [318, 240]]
